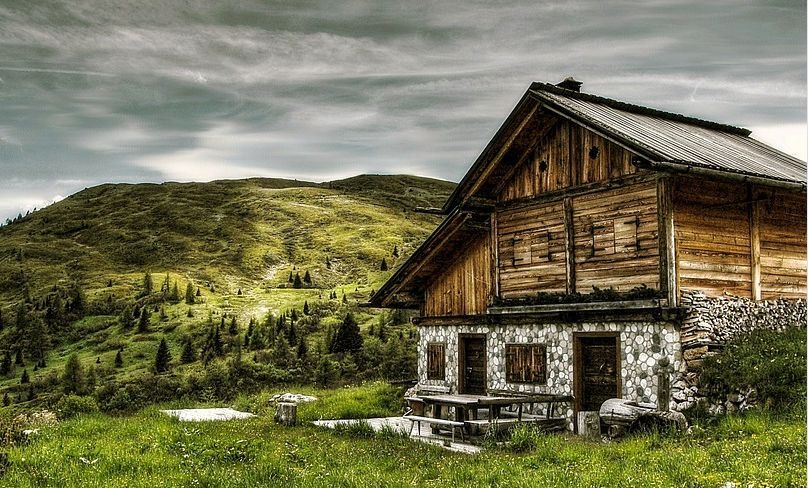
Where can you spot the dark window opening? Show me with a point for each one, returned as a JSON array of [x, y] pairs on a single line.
[[593, 153], [526, 363], [436, 361]]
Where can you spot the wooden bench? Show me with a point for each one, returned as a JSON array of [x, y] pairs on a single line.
[[452, 424]]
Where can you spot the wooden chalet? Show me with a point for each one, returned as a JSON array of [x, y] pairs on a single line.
[[569, 251]]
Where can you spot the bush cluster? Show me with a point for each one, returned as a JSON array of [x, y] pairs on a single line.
[[771, 362]]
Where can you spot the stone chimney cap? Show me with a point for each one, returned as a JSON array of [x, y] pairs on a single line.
[[571, 83]]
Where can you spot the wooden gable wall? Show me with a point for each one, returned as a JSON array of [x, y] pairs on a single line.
[[569, 155], [573, 240], [463, 287]]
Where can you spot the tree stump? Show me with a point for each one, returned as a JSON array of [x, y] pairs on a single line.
[[286, 414], [589, 425]]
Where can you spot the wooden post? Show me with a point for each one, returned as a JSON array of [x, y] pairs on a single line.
[[754, 244], [286, 414], [664, 386], [667, 246], [569, 235]]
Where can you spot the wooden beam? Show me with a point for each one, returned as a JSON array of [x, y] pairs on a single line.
[[494, 292], [569, 238], [668, 278], [754, 244]]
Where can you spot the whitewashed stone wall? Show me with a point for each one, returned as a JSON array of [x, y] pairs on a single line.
[[642, 346]]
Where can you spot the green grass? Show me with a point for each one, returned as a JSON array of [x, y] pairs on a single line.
[[150, 449]]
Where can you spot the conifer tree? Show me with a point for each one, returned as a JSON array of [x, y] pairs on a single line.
[[163, 359], [306, 310], [144, 322], [148, 284], [347, 337], [31, 392], [118, 360], [73, 378], [383, 267], [188, 352], [127, 318], [327, 263], [395, 251], [233, 329], [307, 278], [7, 364], [302, 350], [297, 283], [6, 400], [25, 378], [18, 358], [91, 378], [174, 297]]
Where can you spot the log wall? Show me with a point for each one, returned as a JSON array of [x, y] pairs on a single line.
[[782, 220], [741, 241], [617, 238], [532, 250], [462, 287]]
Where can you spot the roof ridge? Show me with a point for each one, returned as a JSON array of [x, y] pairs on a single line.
[[638, 109]]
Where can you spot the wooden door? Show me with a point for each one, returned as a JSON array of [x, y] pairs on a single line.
[[472, 365], [597, 370]]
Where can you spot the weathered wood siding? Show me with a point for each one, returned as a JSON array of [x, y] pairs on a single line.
[[462, 287], [532, 250], [615, 243], [782, 219], [616, 238], [568, 155], [712, 235]]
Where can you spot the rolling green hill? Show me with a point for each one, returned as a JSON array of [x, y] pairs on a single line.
[[248, 249]]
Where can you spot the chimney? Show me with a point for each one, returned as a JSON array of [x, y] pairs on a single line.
[[570, 83]]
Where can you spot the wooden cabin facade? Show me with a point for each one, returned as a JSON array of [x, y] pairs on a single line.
[[570, 249]]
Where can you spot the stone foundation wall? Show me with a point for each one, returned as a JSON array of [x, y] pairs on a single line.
[[642, 346], [712, 322]]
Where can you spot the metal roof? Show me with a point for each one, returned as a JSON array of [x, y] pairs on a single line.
[[674, 138]]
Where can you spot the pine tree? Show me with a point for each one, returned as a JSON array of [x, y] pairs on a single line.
[[233, 329], [307, 278], [163, 359], [73, 378], [395, 251], [5, 367], [327, 263], [175, 293], [148, 285], [302, 350], [91, 378], [6, 400], [347, 337], [118, 360], [25, 378], [31, 392], [188, 352], [18, 358], [297, 283], [306, 310], [383, 267], [144, 322], [127, 318]]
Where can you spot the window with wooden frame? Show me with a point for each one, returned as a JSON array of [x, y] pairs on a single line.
[[615, 235], [526, 363], [435, 361]]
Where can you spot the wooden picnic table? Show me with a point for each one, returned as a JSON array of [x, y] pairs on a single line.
[[466, 406]]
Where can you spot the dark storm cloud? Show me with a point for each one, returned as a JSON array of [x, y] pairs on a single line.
[[110, 90]]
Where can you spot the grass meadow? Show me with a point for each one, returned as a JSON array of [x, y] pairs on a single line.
[[150, 449]]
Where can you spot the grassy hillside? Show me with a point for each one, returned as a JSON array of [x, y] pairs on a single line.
[[70, 271]]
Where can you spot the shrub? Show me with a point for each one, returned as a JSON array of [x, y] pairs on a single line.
[[771, 362], [72, 405]]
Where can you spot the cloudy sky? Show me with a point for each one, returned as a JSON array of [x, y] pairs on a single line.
[[95, 91]]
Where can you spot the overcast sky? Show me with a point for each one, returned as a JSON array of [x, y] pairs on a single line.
[[95, 91]]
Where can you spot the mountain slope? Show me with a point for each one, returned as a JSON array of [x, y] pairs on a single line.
[[250, 232]]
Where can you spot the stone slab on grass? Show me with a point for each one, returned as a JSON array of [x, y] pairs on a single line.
[[207, 414]]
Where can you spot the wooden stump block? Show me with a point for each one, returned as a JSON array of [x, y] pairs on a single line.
[[589, 425], [286, 414]]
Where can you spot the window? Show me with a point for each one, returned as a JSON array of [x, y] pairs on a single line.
[[525, 363], [615, 236], [435, 361]]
